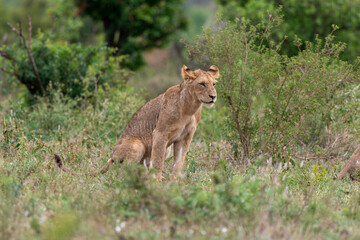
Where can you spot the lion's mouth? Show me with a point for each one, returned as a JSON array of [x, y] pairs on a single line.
[[211, 102]]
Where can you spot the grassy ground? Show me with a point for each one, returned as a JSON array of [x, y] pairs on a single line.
[[216, 198]]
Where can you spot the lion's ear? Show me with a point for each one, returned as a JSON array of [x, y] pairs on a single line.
[[187, 74], [214, 71]]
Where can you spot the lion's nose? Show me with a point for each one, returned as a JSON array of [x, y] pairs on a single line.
[[212, 97]]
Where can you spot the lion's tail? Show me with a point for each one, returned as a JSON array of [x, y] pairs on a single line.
[[59, 162]]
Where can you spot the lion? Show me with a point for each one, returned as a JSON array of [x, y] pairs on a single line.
[[167, 120], [352, 167]]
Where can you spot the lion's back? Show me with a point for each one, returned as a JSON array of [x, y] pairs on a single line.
[[144, 120]]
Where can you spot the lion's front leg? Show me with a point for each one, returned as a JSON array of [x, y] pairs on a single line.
[[181, 148], [158, 152]]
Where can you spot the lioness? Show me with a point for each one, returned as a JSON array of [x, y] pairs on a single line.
[[169, 119], [352, 167]]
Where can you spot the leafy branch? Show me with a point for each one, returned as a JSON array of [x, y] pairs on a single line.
[[28, 47]]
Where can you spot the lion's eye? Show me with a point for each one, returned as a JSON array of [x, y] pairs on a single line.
[[214, 84], [203, 84]]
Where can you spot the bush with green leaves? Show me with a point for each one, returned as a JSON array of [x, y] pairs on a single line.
[[346, 112], [53, 117], [43, 63], [275, 102], [306, 19]]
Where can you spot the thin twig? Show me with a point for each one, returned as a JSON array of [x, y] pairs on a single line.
[[14, 29], [28, 49], [30, 33], [8, 72], [311, 157], [12, 60], [53, 20], [4, 55]]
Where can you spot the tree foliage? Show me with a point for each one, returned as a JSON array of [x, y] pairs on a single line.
[[42, 63], [276, 102], [135, 26], [305, 19]]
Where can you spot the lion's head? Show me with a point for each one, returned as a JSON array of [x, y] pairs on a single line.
[[202, 84]]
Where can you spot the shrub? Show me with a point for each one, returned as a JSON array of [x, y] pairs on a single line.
[[346, 112], [275, 102], [74, 69], [305, 19], [63, 226], [63, 115], [212, 124]]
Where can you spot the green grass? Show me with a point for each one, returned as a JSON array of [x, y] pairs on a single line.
[[218, 197]]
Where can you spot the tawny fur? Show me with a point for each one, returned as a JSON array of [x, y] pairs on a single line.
[[352, 166], [169, 119]]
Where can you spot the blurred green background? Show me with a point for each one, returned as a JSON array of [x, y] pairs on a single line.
[[263, 159], [150, 33]]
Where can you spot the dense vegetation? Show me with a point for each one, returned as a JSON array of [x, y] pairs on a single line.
[[304, 19], [262, 163], [219, 197], [277, 103], [42, 64]]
